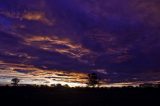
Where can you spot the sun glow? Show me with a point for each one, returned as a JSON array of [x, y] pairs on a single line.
[[32, 75]]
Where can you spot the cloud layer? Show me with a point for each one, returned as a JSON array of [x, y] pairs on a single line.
[[119, 40]]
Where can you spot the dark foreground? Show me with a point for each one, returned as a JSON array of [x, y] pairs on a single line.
[[44, 96]]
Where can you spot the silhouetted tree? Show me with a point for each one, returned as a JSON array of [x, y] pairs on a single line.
[[66, 86], [59, 85], [15, 81], [93, 79], [53, 85]]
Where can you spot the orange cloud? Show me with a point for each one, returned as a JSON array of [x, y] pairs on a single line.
[[29, 15], [37, 16], [52, 43], [26, 72]]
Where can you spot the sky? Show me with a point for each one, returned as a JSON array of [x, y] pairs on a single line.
[[61, 41]]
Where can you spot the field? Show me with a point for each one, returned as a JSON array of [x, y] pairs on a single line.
[[61, 96]]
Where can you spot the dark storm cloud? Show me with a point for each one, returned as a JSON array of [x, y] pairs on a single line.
[[119, 37]]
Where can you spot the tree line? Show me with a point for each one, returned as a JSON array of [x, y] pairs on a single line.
[[92, 80]]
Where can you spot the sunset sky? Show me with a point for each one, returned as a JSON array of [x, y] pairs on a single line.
[[61, 41]]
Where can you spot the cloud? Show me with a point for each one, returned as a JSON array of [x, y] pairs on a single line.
[[117, 39], [30, 73], [37, 16], [30, 16], [63, 46]]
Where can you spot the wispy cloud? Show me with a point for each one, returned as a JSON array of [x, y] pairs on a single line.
[[63, 46]]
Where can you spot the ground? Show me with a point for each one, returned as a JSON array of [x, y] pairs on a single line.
[[60, 96]]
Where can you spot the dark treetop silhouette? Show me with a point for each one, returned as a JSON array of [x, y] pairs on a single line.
[[15, 81], [93, 79]]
